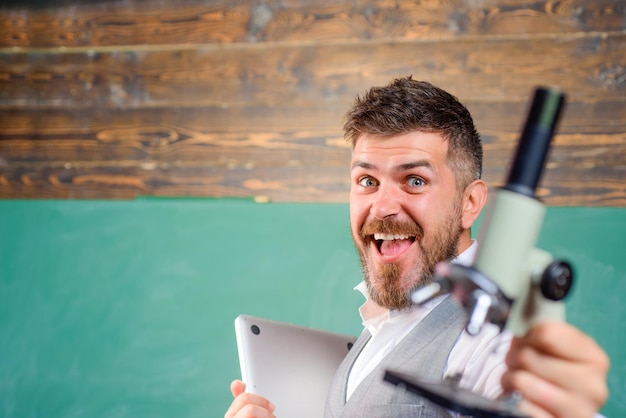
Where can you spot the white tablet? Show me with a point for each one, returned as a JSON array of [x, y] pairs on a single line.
[[290, 365]]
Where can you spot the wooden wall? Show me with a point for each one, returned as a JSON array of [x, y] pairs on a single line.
[[122, 98]]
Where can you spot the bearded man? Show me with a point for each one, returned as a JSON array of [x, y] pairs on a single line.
[[416, 190]]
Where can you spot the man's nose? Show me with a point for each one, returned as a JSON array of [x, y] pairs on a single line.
[[386, 202]]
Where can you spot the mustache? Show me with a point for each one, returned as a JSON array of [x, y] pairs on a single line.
[[389, 226]]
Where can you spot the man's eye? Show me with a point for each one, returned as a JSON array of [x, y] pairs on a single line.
[[367, 182], [416, 182]]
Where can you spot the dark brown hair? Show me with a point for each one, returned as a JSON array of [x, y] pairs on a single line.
[[406, 105]]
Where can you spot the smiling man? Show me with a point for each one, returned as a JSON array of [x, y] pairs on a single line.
[[405, 213], [415, 192]]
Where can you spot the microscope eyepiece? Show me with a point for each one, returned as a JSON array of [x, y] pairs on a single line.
[[532, 149]]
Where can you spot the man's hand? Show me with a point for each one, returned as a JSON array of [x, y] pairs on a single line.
[[560, 372], [248, 405]]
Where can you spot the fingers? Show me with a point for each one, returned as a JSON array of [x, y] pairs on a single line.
[[237, 387], [532, 410], [560, 371], [564, 356], [543, 399], [248, 405], [566, 340]]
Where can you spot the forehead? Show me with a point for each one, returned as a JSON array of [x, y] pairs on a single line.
[[397, 149]]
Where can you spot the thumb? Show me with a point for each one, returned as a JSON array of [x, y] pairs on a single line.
[[237, 387]]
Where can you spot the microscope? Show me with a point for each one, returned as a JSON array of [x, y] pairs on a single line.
[[510, 283]]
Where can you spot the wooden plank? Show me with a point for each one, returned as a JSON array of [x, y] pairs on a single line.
[[297, 184], [273, 127], [590, 66], [123, 154], [111, 23], [277, 127], [286, 127]]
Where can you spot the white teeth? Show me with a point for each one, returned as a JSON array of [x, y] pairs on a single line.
[[390, 237]]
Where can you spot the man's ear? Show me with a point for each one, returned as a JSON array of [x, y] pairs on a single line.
[[474, 198]]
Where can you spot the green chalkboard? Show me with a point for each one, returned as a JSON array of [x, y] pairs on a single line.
[[126, 308]]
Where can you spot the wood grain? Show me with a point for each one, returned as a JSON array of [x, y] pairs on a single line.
[[592, 66], [112, 23], [108, 99]]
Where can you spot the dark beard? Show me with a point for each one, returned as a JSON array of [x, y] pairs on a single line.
[[444, 246]]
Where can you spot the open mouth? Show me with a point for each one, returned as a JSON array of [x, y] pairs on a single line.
[[392, 244]]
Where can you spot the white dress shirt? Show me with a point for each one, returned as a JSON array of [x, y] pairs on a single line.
[[480, 358]]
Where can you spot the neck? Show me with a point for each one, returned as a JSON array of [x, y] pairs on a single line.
[[465, 240]]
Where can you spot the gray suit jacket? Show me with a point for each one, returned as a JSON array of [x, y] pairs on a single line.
[[423, 352]]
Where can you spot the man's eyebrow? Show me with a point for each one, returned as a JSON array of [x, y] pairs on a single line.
[[362, 164], [415, 164], [402, 167]]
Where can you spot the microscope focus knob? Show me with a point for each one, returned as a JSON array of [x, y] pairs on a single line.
[[557, 280]]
